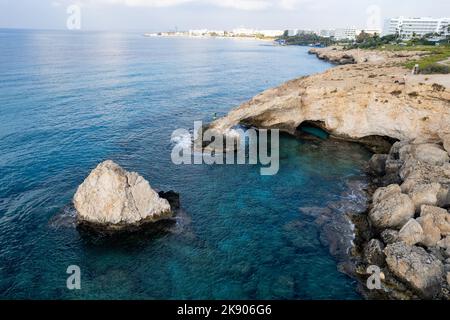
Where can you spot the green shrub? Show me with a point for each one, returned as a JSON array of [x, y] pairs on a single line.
[[435, 68]]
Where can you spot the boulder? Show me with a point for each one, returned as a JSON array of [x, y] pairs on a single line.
[[414, 266], [441, 218], [430, 153], [427, 193], [113, 198], [446, 141], [429, 221], [391, 211], [385, 192], [377, 164], [411, 233], [448, 278], [390, 236], [373, 253], [444, 243]]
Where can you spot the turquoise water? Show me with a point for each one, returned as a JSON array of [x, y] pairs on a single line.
[[71, 100]]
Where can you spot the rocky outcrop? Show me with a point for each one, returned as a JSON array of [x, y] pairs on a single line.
[[391, 208], [337, 55], [372, 98], [417, 253], [413, 265], [115, 199], [411, 233], [373, 253]]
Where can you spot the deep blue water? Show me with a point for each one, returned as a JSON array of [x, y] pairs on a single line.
[[71, 100]]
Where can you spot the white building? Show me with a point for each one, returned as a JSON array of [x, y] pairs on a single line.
[[198, 33], [244, 32], [270, 33], [326, 33], [346, 33], [408, 27], [372, 32]]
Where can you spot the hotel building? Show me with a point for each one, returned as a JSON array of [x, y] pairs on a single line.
[[409, 27]]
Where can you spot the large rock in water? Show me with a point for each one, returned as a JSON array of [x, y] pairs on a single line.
[[113, 198], [413, 265]]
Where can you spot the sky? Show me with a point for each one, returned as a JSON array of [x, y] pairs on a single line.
[[165, 15]]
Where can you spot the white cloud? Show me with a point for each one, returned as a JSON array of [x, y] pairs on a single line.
[[235, 4]]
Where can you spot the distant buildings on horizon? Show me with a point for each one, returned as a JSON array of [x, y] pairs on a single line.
[[406, 28]]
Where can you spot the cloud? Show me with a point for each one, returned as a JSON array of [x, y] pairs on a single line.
[[234, 4]]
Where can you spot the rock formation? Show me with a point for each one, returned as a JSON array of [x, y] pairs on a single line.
[[423, 271], [419, 253], [367, 98], [374, 97], [113, 198]]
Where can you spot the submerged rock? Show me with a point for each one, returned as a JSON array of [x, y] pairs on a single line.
[[113, 198], [413, 265]]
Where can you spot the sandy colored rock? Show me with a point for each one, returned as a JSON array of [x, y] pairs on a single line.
[[414, 266], [385, 192], [425, 194], [444, 243], [373, 97], [430, 153], [392, 211], [411, 233], [113, 197], [441, 218], [431, 233], [445, 141]]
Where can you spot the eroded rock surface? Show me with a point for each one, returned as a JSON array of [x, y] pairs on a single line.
[[113, 198], [413, 265]]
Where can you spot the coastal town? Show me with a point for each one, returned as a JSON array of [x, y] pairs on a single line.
[[406, 28]]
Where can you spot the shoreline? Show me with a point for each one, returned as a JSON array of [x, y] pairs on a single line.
[[369, 96], [210, 37]]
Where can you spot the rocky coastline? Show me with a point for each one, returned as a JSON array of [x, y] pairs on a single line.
[[405, 120], [406, 229]]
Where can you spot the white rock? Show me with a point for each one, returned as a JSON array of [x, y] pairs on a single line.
[[427, 193], [411, 233], [446, 141], [385, 192], [441, 218], [430, 153], [392, 211], [113, 197], [421, 270]]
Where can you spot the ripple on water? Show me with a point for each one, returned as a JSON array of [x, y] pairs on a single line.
[[241, 235]]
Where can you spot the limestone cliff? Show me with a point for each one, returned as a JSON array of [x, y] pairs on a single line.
[[373, 96]]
